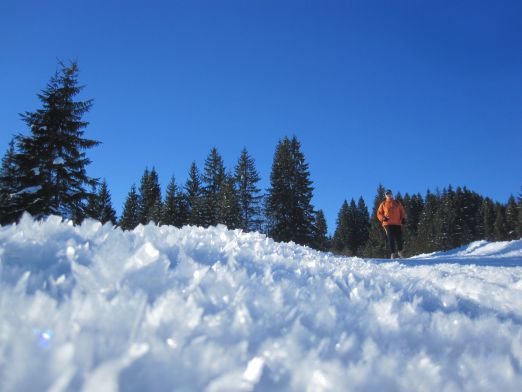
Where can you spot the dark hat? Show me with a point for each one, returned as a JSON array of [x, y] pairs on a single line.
[[388, 192]]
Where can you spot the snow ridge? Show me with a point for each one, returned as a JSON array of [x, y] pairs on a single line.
[[93, 308]]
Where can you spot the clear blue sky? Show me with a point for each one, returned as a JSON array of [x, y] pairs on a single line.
[[411, 94]]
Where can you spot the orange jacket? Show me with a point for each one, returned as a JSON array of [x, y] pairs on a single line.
[[393, 210]]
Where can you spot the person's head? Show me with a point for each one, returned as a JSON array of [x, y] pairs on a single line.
[[389, 194]]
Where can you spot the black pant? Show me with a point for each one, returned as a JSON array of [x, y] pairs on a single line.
[[394, 237]]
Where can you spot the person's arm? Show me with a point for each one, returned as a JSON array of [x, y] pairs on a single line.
[[380, 213]]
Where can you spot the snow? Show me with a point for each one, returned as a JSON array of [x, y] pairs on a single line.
[[93, 308], [29, 190]]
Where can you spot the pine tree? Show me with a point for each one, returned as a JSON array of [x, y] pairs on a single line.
[[468, 206], [150, 200], [520, 214], [413, 205], [353, 238], [512, 219], [52, 159], [130, 217], [500, 232], [362, 225], [100, 206], [376, 244], [488, 219], [249, 197], [194, 196], [321, 240], [289, 212], [341, 234], [213, 180], [429, 225], [9, 184], [228, 208], [449, 234], [175, 209]]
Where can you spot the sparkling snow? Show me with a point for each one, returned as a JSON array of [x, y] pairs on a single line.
[[93, 308]]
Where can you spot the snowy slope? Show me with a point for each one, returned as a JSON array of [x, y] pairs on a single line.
[[92, 308]]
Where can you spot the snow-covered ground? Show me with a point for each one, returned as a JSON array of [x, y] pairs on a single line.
[[92, 308]]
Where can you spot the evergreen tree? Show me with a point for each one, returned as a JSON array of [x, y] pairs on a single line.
[[175, 209], [52, 159], [512, 219], [488, 219], [321, 240], [289, 211], [468, 206], [341, 234], [100, 206], [376, 244], [447, 219], [362, 226], [500, 232], [413, 205], [194, 196], [249, 196], [130, 217], [520, 214], [352, 228], [228, 207], [213, 181], [9, 184], [429, 225], [150, 200]]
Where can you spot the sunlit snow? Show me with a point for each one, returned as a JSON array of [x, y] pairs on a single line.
[[93, 308]]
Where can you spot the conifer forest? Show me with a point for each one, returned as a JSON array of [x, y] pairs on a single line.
[[45, 173]]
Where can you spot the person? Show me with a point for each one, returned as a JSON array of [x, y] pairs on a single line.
[[392, 216]]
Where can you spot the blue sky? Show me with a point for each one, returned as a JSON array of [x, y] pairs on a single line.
[[411, 94]]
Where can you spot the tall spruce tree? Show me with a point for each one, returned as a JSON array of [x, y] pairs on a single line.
[[194, 197], [130, 217], [321, 239], [249, 196], [150, 200], [500, 232], [362, 224], [429, 225], [342, 233], [100, 205], [52, 159], [488, 219], [413, 206], [9, 184], [353, 237], [449, 232], [213, 180], [520, 214], [228, 207], [512, 219], [376, 244], [290, 214], [468, 215], [175, 209]]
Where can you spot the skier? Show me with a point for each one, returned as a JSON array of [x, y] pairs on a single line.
[[392, 216]]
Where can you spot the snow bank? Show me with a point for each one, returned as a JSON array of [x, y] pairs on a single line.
[[92, 308]]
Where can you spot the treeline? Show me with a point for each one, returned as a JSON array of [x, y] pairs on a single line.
[[439, 221], [216, 195], [44, 173]]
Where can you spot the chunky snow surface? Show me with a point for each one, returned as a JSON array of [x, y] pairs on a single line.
[[92, 308]]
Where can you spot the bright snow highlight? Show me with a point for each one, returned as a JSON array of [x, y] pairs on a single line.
[[92, 308]]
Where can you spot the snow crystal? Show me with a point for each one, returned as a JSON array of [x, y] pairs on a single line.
[[93, 308]]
